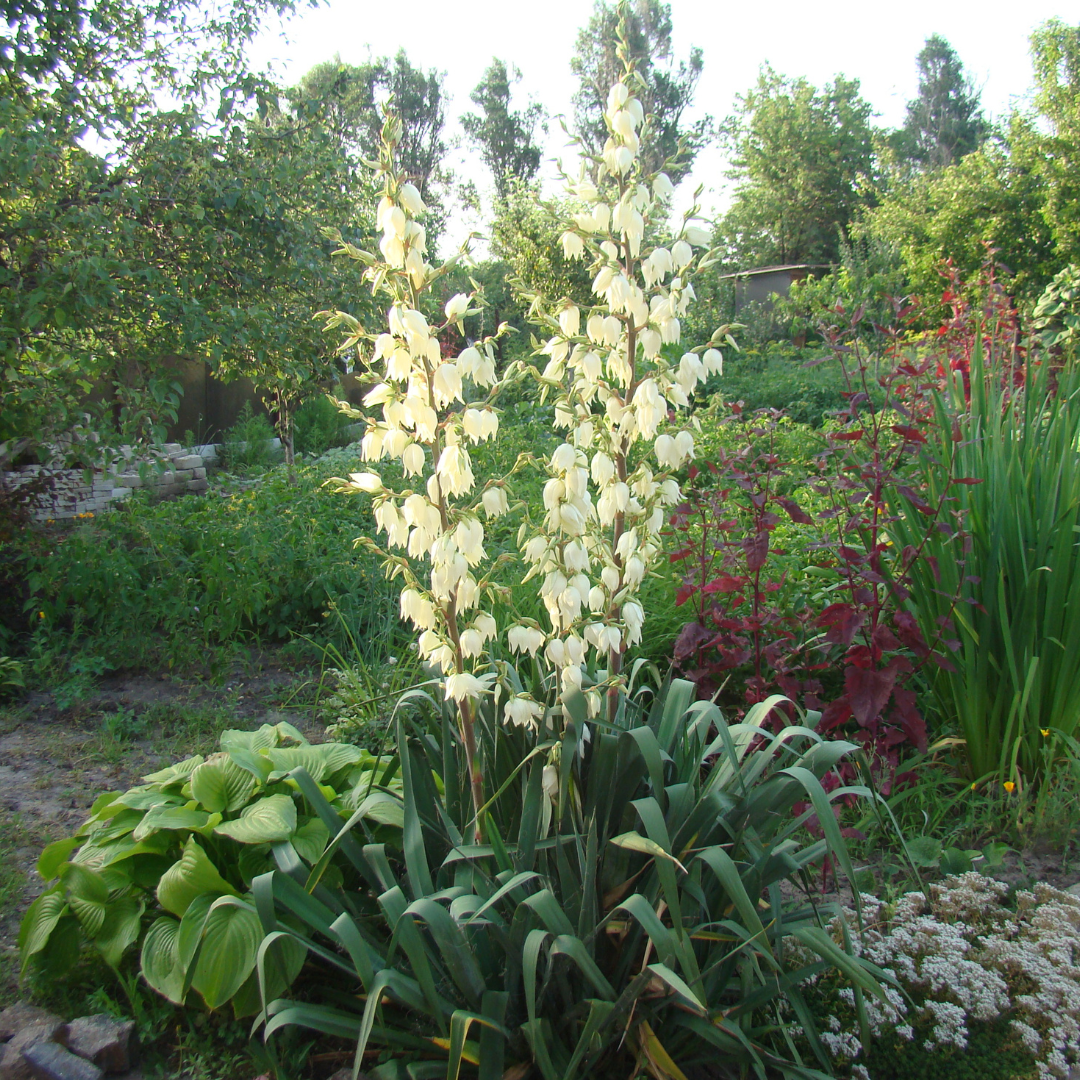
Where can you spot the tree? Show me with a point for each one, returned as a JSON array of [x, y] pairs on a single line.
[[505, 138], [945, 121], [804, 160], [667, 92], [352, 96], [1055, 156]]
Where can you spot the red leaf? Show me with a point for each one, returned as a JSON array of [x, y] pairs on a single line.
[[910, 434], [691, 639], [795, 512], [846, 436], [910, 634], [868, 691], [757, 550], [967, 480], [725, 583], [684, 594], [843, 622]]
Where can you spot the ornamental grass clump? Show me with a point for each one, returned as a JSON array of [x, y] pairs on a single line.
[[1004, 566], [990, 985]]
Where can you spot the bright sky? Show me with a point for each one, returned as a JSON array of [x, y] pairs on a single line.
[[875, 43]]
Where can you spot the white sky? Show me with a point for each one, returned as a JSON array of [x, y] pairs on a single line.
[[875, 43]]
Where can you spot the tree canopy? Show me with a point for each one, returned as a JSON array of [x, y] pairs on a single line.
[[668, 90], [506, 138]]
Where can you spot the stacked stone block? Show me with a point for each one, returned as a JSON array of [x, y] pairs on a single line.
[[172, 471]]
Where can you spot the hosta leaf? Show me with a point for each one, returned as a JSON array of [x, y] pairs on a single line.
[[55, 855], [190, 876], [120, 930], [39, 922], [230, 944], [174, 817], [87, 895], [310, 841], [161, 961], [263, 738], [283, 958], [222, 786], [146, 800], [320, 761], [174, 773], [267, 821]]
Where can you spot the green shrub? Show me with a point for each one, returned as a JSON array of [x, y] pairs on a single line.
[[167, 582], [249, 444], [319, 426], [168, 867], [630, 902]]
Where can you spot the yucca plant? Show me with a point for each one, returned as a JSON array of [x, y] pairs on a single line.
[[628, 912], [1005, 570]]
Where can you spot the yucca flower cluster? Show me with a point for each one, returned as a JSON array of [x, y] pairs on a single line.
[[417, 414], [613, 387]]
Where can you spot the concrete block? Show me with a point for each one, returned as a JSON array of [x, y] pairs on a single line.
[[50, 1061], [171, 448], [183, 475], [188, 461], [108, 1043], [120, 494], [129, 480], [200, 474], [197, 485]]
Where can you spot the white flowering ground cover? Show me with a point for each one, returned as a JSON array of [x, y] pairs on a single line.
[[987, 986]]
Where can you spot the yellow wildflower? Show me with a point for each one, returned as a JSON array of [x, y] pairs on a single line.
[[1010, 787]]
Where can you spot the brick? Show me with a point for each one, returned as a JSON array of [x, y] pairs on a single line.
[[171, 448], [108, 1043], [129, 480], [50, 1061], [200, 474], [183, 476], [188, 461], [120, 493], [197, 485]]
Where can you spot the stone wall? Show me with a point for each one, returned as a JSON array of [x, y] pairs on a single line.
[[173, 471]]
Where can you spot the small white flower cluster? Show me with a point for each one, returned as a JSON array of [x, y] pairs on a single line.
[[613, 388], [963, 956]]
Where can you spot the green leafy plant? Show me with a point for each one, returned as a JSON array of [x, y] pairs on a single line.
[[248, 444], [168, 866], [629, 910], [1008, 551], [11, 676], [1057, 314]]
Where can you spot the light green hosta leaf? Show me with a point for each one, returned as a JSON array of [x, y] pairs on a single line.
[[100, 856], [120, 930], [190, 876], [310, 841], [320, 761], [55, 855], [147, 800], [230, 944], [161, 959], [267, 821], [283, 958], [173, 818], [39, 922], [383, 808], [267, 736], [87, 895], [221, 785], [253, 761], [175, 773]]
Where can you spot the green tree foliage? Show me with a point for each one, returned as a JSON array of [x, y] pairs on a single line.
[[988, 198], [525, 235], [1055, 156], [944, 122], [352, 96], [505, 138], [803, 159], [669, 86]]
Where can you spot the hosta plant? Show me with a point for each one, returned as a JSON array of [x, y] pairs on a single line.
[[167, 867], [629, 911]]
